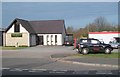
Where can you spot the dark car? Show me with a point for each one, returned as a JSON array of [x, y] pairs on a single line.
[[69, 40], [87, 45]]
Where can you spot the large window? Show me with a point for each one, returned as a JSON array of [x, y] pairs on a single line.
[[47, 39], [51, 40], [17, 27], [55, 39]]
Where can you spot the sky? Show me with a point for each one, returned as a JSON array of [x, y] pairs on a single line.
[[76, 14], [60, 0]]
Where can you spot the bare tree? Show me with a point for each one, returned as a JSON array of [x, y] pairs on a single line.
[[101, 23], [70, 29]]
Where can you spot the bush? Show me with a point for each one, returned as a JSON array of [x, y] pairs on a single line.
[[9, 46], [18, 46]]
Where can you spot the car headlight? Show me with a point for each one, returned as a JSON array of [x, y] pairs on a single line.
[[81, 45]]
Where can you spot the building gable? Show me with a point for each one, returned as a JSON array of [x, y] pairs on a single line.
[[22, 29], [24, 26]]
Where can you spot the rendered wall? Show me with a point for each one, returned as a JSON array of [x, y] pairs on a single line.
[[105, 37], [13, 41], [59, 39]]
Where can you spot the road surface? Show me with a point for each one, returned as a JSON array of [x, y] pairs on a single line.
[[38, 59]]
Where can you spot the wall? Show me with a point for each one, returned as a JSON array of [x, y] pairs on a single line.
[[63, 37], [1, 38], [63, 34], [11, 30], [32, 39], [105, 37], [12, 41], [4, 39], [59, 39]]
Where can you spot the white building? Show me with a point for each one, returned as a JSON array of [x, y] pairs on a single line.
[[104, 36], [29, 33]]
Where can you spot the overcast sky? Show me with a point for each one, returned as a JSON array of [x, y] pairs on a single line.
[[77, 14]]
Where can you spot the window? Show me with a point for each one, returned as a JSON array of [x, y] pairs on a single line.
[[51, 40], [16, 35], [55, 39], [47, 39], [95, 42], [84, 41], [16, 27]]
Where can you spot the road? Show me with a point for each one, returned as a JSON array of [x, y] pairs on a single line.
[[38, 58]]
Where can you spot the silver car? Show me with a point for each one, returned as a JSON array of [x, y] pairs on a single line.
[[115, 44]]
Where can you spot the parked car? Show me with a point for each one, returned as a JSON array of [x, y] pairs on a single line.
[[69, 40], [115, 43], [69, 43], [87, 45]]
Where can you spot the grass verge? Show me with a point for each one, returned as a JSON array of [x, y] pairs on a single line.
[[11, 48], [99, 55]]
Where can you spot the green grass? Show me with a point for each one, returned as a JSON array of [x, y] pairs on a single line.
[[99, 55], [12, 48]]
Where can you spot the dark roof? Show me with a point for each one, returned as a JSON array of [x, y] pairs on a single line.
[[46, 26], [26, 25]]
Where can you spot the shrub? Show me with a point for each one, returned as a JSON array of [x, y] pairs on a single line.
[[23, 46], [9, 46]]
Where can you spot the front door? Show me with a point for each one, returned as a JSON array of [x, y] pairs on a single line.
[[95, 45], [40, 40]]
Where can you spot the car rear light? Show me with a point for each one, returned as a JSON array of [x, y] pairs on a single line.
[[67, 42]]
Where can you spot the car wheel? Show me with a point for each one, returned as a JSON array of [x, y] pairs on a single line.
[[77, 50], [107, 50], [85, 51]]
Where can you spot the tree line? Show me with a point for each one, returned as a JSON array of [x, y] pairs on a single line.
[[98, 25]]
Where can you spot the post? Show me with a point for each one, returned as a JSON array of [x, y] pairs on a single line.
[[74, 42], [16, 44]]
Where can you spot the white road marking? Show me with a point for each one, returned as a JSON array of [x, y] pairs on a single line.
[[39, 69], [16, 69], [5, 68], [25, 69], [65, 70], [32, 71]]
